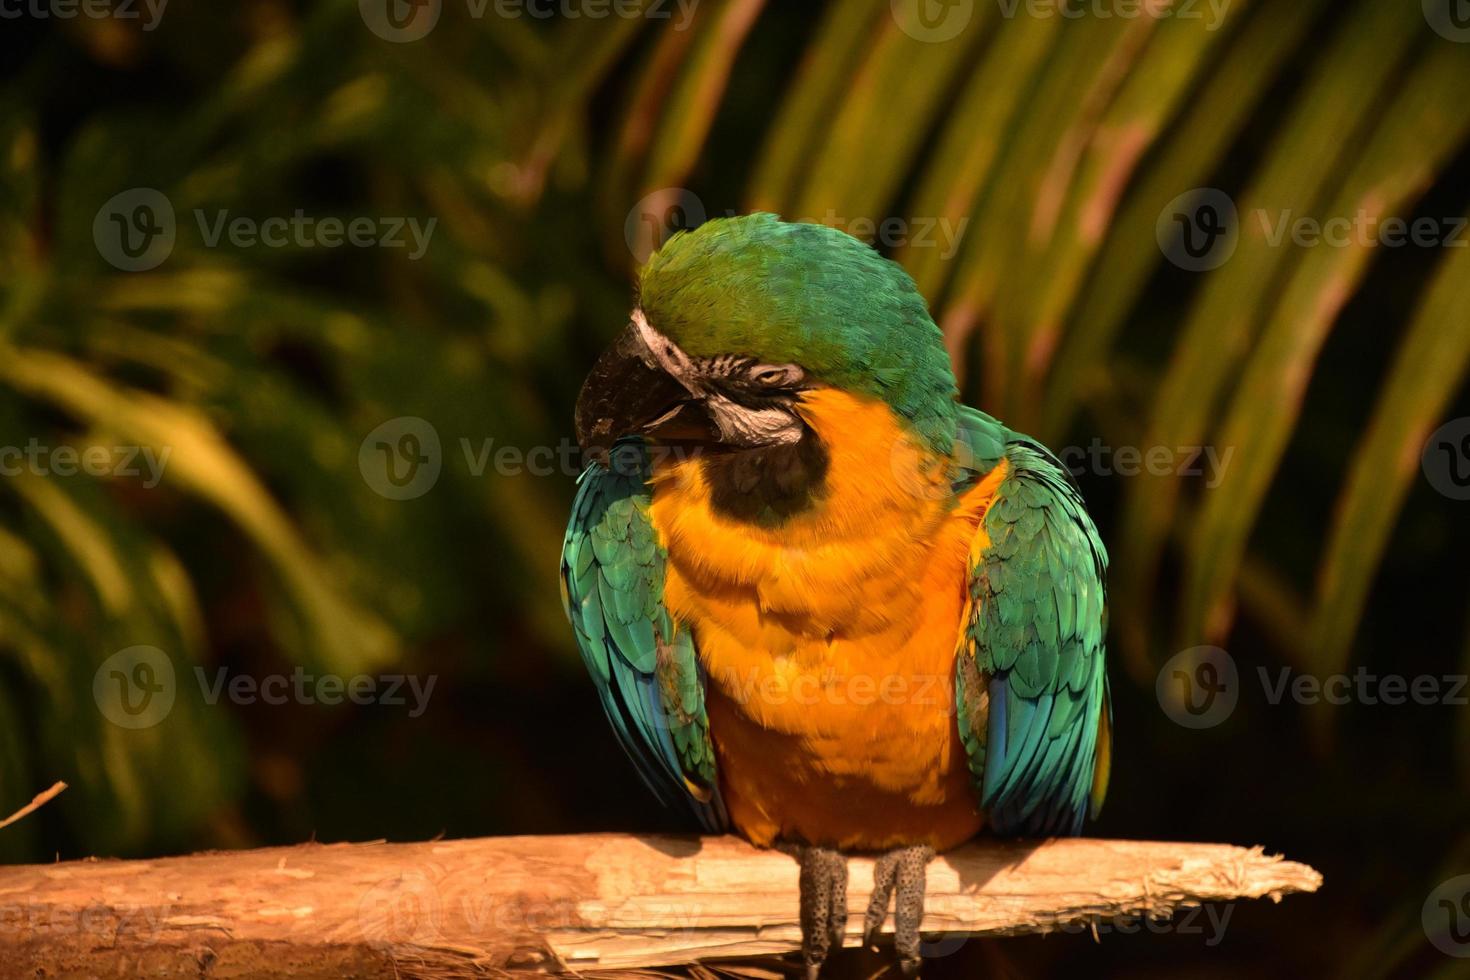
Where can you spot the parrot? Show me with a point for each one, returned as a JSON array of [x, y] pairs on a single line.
[[826, 605]]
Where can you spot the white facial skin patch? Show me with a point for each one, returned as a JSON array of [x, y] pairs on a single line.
[[740, 425]]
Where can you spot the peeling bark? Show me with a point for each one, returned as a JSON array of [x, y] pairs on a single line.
[[598, 902]]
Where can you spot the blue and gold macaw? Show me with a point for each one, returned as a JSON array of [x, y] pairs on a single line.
[[827, 606]]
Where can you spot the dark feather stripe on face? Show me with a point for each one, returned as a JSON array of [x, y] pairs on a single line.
[[730, 375], [725, 365]]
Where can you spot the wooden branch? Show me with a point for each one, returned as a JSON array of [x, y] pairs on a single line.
[[589, 903], [38, 801]]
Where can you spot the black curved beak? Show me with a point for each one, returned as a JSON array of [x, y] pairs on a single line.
[[628, 393]]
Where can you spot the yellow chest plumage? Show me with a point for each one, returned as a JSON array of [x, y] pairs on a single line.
[[829, 637]]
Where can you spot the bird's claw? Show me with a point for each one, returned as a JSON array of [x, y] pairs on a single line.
[[823, 903], [902, 870]]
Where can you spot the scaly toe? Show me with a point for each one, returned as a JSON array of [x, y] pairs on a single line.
[[837, 903], [823, 903], [908, 906], [885, 878]]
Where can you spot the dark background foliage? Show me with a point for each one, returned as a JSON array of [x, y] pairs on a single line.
[[542, 147]]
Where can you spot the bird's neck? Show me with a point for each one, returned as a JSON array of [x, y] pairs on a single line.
[[811, 532], [768, 486]]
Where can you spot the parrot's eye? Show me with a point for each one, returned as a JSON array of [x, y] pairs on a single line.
[[775, 375]]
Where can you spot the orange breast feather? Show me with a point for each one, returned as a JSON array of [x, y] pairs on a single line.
[[829, 639]]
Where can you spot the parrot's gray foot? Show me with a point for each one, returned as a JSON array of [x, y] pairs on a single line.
[[903, 870], [823, 902]]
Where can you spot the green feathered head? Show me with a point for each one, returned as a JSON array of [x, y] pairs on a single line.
[[744, 311]]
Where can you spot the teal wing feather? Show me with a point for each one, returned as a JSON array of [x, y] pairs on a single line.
[[1031, 686], [642, 661]]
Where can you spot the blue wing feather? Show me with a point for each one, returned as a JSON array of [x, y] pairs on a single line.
[[642, 662], [1040, 751]]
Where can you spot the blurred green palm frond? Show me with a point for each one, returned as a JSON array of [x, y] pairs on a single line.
[[255, 374], [1048, 147]]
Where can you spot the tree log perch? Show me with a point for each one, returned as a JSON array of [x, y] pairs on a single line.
[[589, 903]]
